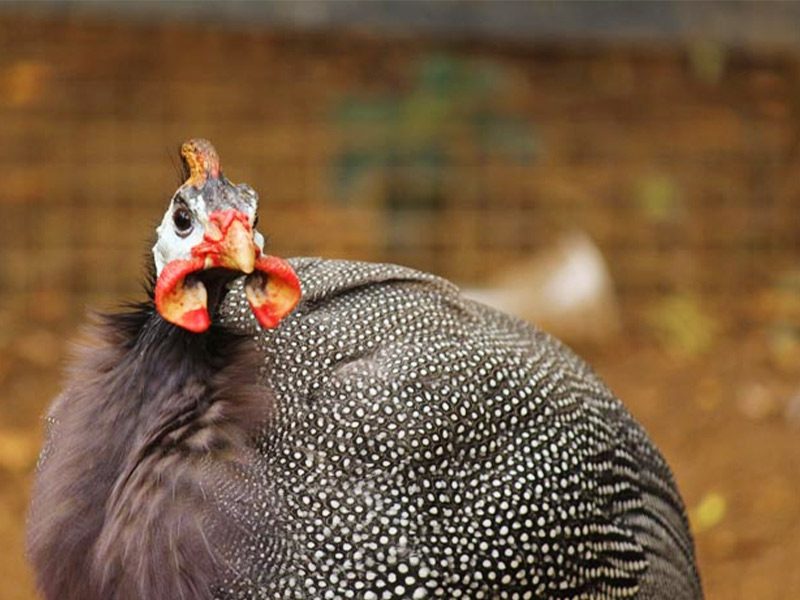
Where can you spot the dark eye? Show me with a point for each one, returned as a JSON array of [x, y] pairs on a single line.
[[255, 222], [183, 220]]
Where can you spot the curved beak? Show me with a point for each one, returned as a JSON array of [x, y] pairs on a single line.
[[272, 287]]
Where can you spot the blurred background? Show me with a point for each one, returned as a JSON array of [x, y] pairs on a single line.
[[625, 174]]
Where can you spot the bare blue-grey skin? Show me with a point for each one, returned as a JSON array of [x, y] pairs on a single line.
[[390, 439]]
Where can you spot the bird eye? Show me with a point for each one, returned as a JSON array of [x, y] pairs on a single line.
[[255, 222], [182, 219]]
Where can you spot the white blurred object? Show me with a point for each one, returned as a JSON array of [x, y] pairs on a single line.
[[566, 290]]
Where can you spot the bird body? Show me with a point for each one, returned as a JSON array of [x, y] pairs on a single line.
[[462, 451], [389, 439]]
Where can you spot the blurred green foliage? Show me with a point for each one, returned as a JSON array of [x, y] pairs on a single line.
[[658, 198], [709, 512], [681, 326], [780, 305], [707, 59], [451, 113]]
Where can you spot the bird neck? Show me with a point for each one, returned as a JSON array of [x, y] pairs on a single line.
[[154, 416]]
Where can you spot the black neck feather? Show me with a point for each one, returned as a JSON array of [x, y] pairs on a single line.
[[147, 401]]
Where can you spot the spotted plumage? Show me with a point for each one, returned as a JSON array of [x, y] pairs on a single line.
[[424, 446]]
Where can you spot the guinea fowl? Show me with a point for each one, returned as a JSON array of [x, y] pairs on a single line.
[[382, 437]]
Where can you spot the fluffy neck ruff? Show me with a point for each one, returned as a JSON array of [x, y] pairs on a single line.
[[152, 421]]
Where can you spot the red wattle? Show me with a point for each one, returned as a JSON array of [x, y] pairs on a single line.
[[279, 268], [175, 303], [273, 290], [266, 316], [173, 274], [196, 321]]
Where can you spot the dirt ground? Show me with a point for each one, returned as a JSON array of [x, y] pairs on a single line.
[[728, 422]]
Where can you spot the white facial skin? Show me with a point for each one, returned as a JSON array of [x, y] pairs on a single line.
[[172, 244]]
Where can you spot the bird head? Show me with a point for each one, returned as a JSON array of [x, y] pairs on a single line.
[[207, 239]]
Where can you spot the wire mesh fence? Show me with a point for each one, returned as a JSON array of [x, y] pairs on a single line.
[[455, 157]]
